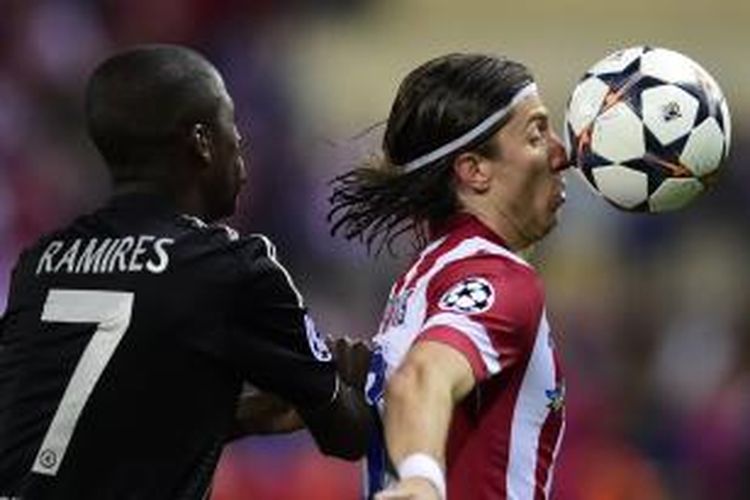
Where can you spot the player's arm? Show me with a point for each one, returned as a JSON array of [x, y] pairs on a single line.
[[470, 321], [265, 413], [420, 397], [279, 349], [341, 427], [333, 411], [345, 424]]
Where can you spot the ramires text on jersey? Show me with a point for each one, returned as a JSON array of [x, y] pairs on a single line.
[[106, 255]]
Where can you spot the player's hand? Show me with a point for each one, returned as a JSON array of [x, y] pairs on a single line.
[[412, 488], [352, 360]]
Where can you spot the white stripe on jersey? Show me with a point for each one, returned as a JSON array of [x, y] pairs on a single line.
[[396, 340], [476, 333], [555, 454], [427, 251], [232, 234], [271, 250], [529, 415], [531, 410]]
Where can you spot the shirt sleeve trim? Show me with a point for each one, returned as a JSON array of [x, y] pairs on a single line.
[[460, 342]]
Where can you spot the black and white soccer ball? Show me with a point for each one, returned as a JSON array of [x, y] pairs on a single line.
[[648, 128]]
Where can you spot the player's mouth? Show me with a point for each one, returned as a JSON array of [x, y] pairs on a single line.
[[560, 198]]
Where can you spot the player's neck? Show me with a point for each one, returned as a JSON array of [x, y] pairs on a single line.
[[186, 201], [504, 226]]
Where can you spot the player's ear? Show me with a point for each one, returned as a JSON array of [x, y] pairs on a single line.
[[201, 141], [472, 171]]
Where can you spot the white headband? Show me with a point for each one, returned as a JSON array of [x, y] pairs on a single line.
[[524, 92]]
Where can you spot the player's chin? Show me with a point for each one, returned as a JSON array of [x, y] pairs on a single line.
[[550, 222], [235, 205], [554, 208], [232, 203], [546, 229]]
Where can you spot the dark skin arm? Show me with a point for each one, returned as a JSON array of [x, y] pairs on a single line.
[[341, 427], [260, 413]]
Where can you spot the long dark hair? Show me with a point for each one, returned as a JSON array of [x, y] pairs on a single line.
[[436, 103]]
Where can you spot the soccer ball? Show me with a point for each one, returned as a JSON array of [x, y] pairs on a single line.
[[648, 128]]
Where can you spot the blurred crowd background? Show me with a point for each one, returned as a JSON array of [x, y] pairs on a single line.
[[653, 312]]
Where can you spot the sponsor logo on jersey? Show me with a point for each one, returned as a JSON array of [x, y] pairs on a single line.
[[395, 310], [470, 296], [48, 458], [556, 397]]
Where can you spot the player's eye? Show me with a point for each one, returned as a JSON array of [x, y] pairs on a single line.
[[536, 137], [538, 133]]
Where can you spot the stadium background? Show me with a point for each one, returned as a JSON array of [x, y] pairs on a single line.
[[654, 311]]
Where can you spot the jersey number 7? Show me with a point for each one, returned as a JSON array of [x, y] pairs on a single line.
[[110, 311]]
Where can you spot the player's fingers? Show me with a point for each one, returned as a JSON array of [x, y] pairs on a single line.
[[331, 342], [340, 346]]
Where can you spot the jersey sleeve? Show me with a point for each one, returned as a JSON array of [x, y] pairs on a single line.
[[17, 293], [488, 309], [273, 340]]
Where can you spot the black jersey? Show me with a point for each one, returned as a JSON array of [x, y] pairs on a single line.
[[126, 341]]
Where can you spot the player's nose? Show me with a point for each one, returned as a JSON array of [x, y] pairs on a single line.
[[558, 157]]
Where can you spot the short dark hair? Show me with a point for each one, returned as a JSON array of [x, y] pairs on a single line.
[[436, 103], [138, 101]]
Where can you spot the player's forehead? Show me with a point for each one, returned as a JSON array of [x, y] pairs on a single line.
[[226, 103], [530, 110]]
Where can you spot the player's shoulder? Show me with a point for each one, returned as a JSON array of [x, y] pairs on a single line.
[[251, 249], [494, 261], [259, 246], [206, 233], [493, 268]]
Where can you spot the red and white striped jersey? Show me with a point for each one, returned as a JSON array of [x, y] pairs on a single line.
[[468, 291]]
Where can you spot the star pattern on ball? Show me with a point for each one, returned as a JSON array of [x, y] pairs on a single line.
[[469, 296], [648, 129]]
